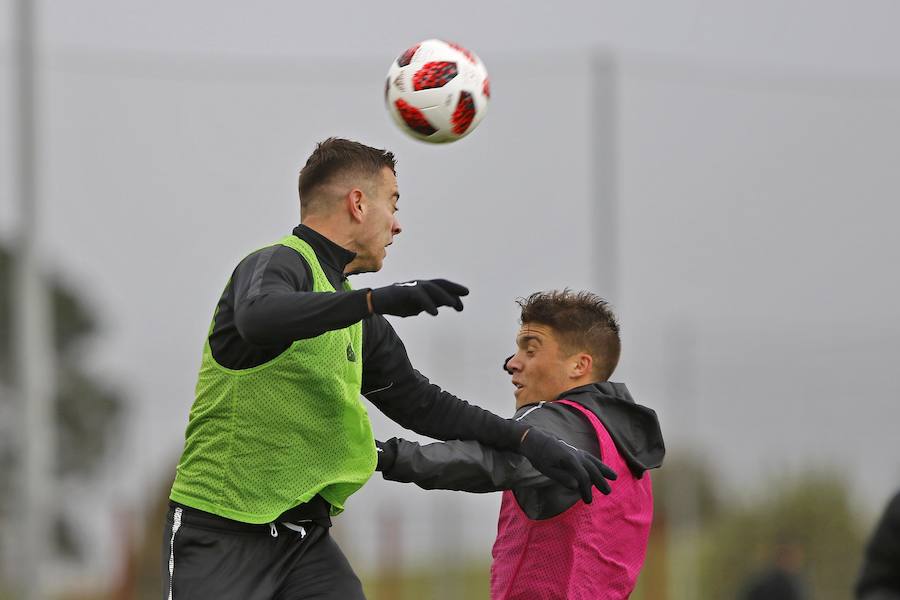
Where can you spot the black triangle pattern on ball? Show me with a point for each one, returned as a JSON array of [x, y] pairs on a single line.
[[464, 114], [406, 58], [434, 75], [414, 118]]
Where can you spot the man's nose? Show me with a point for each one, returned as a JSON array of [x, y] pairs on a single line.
[[509, 366], [395, 228]]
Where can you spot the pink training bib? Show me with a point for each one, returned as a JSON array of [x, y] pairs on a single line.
[[589, 552]]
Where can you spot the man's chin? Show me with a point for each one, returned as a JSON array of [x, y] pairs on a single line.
[[369, 267]]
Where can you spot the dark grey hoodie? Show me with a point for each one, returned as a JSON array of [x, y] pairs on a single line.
[[472, 467]]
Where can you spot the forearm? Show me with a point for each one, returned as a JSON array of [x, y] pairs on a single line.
[[407, 397], [283, 317], [428, 410], [457, 465]]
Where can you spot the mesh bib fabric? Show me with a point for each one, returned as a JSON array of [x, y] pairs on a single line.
[[588, 552], [262, 440]]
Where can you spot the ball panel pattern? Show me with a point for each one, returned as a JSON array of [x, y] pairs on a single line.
[[464, 52], [464, 113], [406, 58], [414, 118], [434, 75]]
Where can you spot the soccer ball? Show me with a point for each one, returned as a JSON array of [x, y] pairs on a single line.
[[437, 91]]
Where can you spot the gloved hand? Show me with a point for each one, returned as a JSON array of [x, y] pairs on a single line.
[[565, 464], [412, 297], [387, 454]]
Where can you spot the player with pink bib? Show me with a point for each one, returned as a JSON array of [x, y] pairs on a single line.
[[550, 543]]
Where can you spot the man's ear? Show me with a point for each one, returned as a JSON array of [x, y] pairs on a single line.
[[356, 204], [582, 364]]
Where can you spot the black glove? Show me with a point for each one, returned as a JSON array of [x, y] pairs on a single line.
[[565, 464], [387, 454], [412, 297], [506, 362]]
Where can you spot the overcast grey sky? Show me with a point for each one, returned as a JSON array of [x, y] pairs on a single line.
[[756, 200], [825, 35]]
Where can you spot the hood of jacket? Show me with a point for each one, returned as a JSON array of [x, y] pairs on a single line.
[[633, 428]]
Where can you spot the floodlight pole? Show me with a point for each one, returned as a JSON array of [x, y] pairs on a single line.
[[682, 388], [33, 348], [604, 115]]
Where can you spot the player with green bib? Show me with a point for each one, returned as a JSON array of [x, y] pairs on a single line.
[[278, 439]]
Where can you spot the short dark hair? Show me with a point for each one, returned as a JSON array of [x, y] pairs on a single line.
[[582, 321], [336, 156]]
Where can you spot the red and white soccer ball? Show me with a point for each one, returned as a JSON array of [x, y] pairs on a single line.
[[437, 91]]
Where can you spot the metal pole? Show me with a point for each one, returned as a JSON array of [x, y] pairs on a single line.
[[35, 373], [603, 176], [680, 344]]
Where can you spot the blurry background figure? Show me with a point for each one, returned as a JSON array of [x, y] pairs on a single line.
[[879, 578], [782, 579]]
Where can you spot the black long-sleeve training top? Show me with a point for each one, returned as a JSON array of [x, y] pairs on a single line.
[[472, 467], [879, 578], [269, 303]]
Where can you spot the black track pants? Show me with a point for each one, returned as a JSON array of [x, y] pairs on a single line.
[[205, 557]]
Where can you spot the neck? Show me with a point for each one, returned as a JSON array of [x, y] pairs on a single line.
[[556, 396], [331, 229], [520, 404]]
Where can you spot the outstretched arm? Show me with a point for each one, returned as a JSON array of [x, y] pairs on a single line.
[[407, 397], [274, 304], [456, 465], [473, 467]]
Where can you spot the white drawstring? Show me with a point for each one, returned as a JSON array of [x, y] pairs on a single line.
[[298, 528], [273, 530]]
